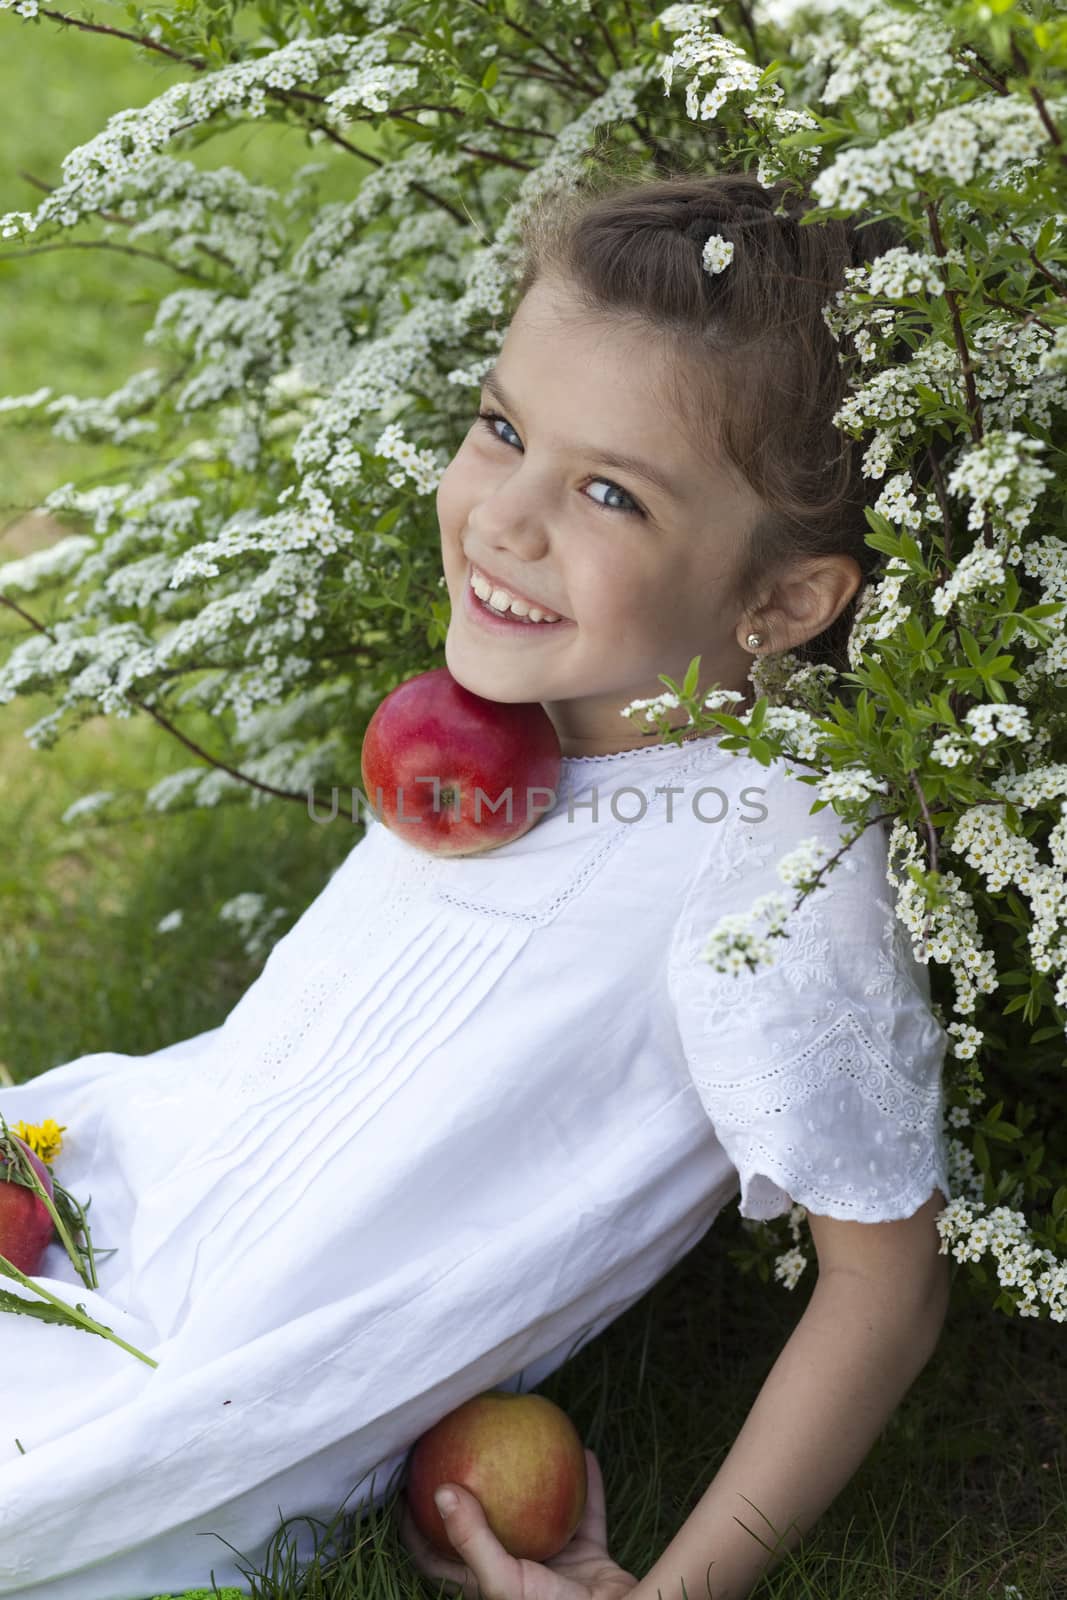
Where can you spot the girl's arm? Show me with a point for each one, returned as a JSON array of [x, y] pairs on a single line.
[[870, 1327]]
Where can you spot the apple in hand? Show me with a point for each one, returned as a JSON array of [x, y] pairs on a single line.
[[26, 1228], [521, 1457], [456, 774]]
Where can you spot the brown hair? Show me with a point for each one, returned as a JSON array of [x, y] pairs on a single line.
[[754, 332]]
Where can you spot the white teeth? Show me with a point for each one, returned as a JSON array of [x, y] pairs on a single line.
[[503, 602]]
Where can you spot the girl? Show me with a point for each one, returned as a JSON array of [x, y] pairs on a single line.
[[474, 1108]]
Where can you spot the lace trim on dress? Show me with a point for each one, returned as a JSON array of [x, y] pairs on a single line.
[[844, 1049], [621, 755], [770, 1188], [690, 758]]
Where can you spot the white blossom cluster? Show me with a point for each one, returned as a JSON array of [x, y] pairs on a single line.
[[87, 805], [949, 750], [881, 612], [255, 923], [850, 783], [789, 1266], [897, 275], [799, 867], [422, 467], [883, 60], [195, 214], [25, 402], [652, 708], [721, 68], [963, 144], [114, 416], [982, 838], [736, 943], [563, 163], [969, 1233], [899, 504], [1001, 481], [890, 402], [987, 721], [41, 567], [94, 172], [949, 933], [1012, 379], [980, 568], [717, 254]]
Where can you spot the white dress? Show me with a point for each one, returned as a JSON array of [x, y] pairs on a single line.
[[470, 1111]]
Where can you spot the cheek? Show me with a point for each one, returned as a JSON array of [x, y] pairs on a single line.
[[448, 498]]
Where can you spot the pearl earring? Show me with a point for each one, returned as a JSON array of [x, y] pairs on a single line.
[[754, 641]]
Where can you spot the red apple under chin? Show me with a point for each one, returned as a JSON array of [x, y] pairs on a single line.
[[522, 1458], [26, 1229], [456, 774]]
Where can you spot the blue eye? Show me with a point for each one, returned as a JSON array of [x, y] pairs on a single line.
[[633, 509]]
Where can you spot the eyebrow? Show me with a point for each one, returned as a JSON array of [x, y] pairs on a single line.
[[610, 458]]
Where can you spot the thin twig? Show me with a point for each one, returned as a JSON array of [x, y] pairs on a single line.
[[103, 244]]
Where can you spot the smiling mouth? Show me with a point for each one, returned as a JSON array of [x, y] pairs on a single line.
[[542, 616], [506, 621]]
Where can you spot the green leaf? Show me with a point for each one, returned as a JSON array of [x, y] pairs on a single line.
[[1005, 1132], [31, 1308], [692, 678], [970, 647], [388, 519], [808, 139]]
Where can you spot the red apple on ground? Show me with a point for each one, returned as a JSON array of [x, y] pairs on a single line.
[[26, 1228], [456, 774], [522, 1458]]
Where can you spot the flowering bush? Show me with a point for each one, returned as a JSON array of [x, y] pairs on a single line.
[[273, 556]]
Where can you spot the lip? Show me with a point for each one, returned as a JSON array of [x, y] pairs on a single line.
[[512, 627]]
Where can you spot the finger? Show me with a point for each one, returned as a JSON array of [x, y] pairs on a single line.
[[594, 1523], [497, 1574], [428, 1559]]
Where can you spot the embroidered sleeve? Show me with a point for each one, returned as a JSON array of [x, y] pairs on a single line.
[[821, 1072]]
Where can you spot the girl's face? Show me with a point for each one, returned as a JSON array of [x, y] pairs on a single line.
[[638, 571]]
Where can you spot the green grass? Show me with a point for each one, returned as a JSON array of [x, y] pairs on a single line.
[[964, 1493]]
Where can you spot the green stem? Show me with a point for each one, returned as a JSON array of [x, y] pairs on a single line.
[[74, 1314]]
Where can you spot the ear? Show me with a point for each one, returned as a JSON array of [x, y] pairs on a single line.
[[808, 597]]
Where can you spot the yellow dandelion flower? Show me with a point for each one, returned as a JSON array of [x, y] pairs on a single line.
[[45, 1140]]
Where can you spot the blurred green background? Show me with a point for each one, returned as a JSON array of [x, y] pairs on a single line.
[[82, 965]]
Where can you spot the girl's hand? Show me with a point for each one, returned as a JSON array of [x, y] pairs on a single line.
[[583, 1570]]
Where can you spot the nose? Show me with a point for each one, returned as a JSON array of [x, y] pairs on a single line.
[[510, 517]]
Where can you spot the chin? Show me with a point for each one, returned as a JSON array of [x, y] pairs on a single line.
[[481, 682]]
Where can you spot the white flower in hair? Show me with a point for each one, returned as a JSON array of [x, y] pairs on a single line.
[[717, 253]]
